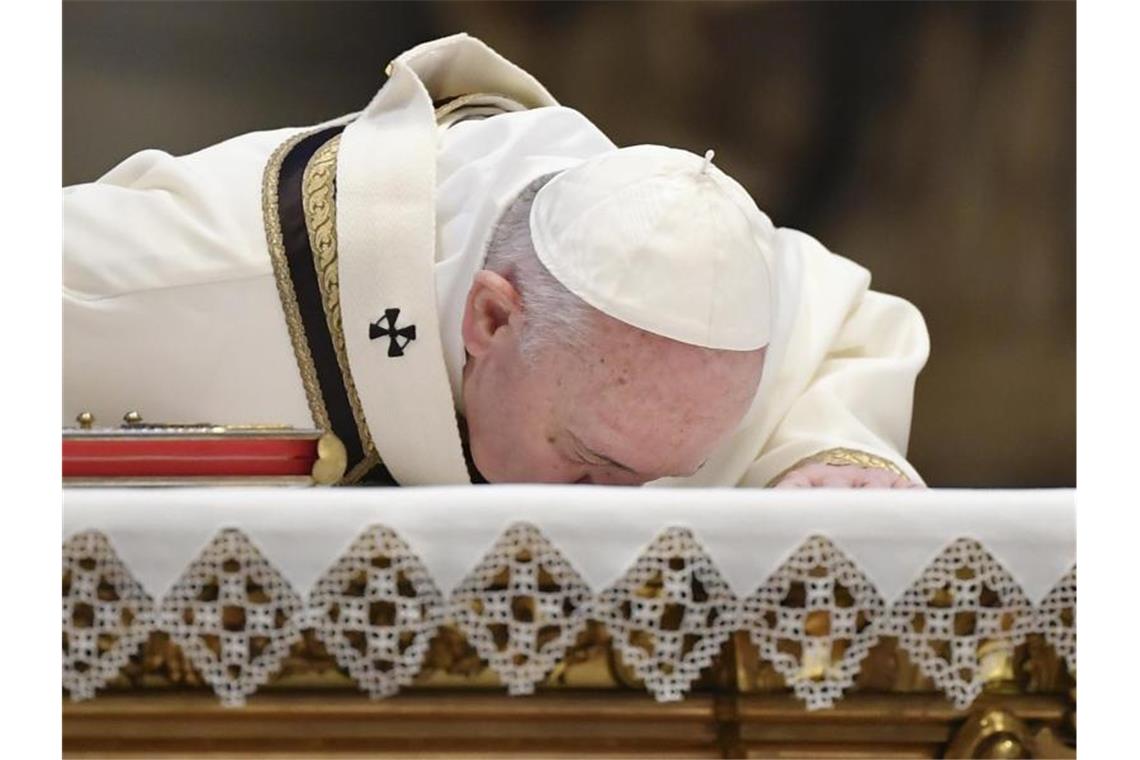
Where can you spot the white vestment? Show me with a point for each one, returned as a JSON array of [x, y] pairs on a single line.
[[173, 297]]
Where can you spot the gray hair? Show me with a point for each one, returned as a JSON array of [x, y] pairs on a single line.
[[554, 315]]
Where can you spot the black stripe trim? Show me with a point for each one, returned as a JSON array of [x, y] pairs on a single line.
[[303, 274]]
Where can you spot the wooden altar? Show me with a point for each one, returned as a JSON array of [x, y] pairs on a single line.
[[590, 706]]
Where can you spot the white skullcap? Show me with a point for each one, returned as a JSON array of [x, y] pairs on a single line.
[[662, 240]]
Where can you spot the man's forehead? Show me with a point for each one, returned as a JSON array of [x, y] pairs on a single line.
[[630, 422], [628, 356], [654, 403]]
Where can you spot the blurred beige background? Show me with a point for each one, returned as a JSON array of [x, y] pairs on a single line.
[[934, 143]]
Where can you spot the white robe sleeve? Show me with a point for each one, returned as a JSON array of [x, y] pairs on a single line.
[[861, 395], [169, 301]]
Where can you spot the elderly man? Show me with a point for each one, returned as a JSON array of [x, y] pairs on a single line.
[[467, 281]]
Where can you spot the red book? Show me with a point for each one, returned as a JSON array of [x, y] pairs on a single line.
[[149, 454]]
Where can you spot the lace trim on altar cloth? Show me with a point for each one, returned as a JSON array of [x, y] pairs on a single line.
[[521, 608]]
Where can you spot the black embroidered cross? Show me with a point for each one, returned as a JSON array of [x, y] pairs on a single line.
[[378, 330]]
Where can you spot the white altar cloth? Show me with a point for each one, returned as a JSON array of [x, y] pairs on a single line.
[[375, 572], [890, 534]]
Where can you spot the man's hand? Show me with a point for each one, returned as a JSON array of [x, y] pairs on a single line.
[[820, 475]]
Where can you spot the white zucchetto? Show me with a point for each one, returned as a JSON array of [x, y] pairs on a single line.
[[663, 240]]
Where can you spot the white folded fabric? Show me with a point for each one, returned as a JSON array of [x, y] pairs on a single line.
[[891, 535]]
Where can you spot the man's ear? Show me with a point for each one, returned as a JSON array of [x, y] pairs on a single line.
[[491, 302]]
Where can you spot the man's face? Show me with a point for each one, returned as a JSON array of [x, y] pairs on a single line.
[[629, 408]]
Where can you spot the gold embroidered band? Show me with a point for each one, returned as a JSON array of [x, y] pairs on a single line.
[[842, 456], [299, 201]]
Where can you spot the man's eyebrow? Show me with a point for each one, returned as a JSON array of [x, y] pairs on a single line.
[[587, 450], [609, 460]]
